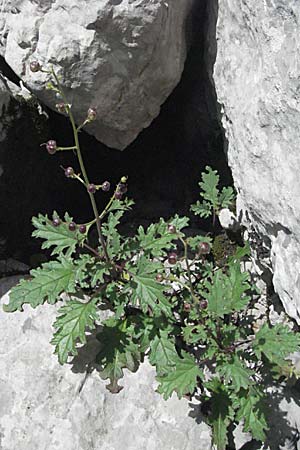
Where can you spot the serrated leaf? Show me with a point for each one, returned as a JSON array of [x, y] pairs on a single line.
[[182, 379], [47, 283], [121, 205], [202, 209], [251, 413], [236, 373], [221, 416], [71, 324], [98, 271], [60, 237], [194, 241], [209, 183], [227, 292], [163, 353], [109, 230], [275, 343], [155, 240], [118, 352], [240, 253], [147, 292], [226, 197], [193, 334]]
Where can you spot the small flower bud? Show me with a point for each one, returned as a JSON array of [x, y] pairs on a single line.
[[51, 147], [61, 107], [159, 277], [187, 307], [72, 226], [204, 248], [35, 66], [172, 229], [91, 114], [56, 222], [122, 188], [105, 186], [172, 258], [203, 304], [124, 180], [69, 172], [91, 188], [82, 229], [118, 195]]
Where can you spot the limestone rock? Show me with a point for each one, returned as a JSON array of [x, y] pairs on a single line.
[[47, 406], [257, 76], [123, 57], [228, 220]]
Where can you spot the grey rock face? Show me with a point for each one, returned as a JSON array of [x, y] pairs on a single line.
[[123, 57], [47, 406], [257, 77]]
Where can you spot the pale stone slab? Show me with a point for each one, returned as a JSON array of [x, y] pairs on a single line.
[[45, 406]]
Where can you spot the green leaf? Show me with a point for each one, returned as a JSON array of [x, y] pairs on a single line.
[[118, 352], [60, 237], [226, 197], [275, 343], [147, 292], [163, 353], [227, 292], [121, 205], [236, 373], [193, 334], [250, 411], [194, 241], [202, 209], [221, 414], [153, 243], [98, 271], [109, 230], [71, 324], [47, 283], [209, 183], [182, 379], [240, 253]]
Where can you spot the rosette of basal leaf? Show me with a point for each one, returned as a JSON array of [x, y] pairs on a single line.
[[63, 240], [118, 352], [47, 283], [73, 320]]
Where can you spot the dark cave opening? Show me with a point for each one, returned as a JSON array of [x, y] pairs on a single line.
[[163, 164]]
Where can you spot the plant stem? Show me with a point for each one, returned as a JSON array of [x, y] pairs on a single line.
[[188, 269], [82, 167]]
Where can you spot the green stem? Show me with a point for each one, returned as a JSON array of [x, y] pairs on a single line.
[[82, 167]]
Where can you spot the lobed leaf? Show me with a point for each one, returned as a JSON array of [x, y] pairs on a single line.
[[275, 343], [71, 324], [47, 283], [118, 352], [60, 237], [182, 379]]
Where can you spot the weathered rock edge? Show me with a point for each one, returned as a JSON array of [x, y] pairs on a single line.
[[123, 57], [257, 77]]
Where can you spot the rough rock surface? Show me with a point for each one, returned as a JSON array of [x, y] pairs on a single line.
[[122, 56], [257, 76], [47, 406]]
